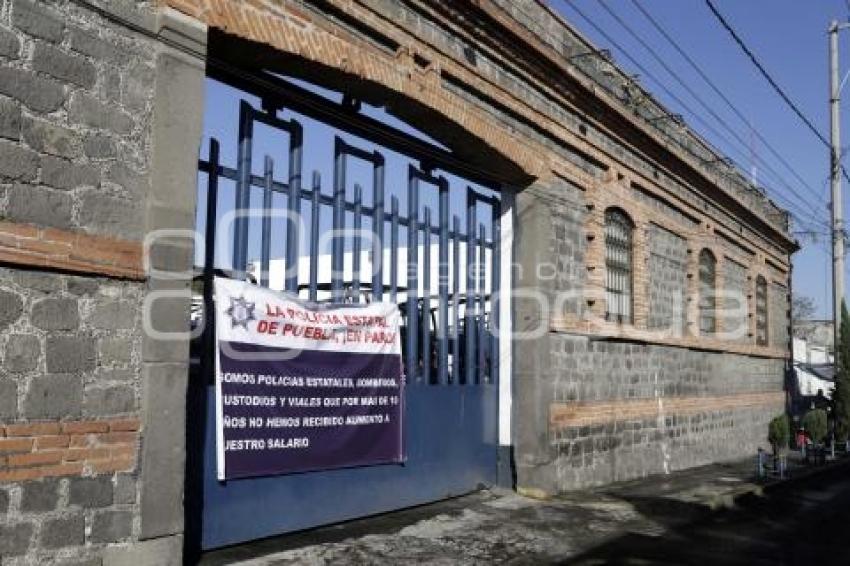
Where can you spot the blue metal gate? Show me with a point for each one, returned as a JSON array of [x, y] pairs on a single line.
[[449, 346]]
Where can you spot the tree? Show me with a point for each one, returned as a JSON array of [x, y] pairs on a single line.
[[802, 308], [814, 422], [841, 393], [778, 434]]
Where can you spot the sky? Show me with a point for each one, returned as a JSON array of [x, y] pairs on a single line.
[[789, 38], [221, 122]]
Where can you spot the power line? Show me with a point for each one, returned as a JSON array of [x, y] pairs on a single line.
[[778, 178], [716, 90], [701, 101], [764, 72], [661, 85], [252, 77]]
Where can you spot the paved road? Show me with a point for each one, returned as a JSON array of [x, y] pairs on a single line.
[[802, 523], [665, 520]]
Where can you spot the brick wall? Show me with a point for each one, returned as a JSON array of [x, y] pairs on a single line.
[[75, 115]]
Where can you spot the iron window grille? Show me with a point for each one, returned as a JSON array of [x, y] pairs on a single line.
[[618, 265], [707, 291], [761, 311]]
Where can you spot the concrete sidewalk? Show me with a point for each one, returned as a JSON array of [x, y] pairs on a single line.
[[499, 526]]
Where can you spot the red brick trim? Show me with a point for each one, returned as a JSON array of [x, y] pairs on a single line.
[[32, 246], [566, 415], [38, 450]]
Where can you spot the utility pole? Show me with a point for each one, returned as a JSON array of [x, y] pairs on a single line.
[[835, 179]]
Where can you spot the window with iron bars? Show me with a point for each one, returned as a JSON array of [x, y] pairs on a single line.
[[707, 301], [618, 265], [761, 311]]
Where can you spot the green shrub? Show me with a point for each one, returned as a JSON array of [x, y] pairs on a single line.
[[841, 394], [814, 422], [778, 433]]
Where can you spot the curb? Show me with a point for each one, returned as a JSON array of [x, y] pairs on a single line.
[[802, 475]]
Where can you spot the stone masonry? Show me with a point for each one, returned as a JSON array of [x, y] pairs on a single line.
[[577, 128], [79, 98], [100, 122]]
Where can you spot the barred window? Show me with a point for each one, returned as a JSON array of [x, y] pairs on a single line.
[[761, 311], [618, 264], [707, 285]]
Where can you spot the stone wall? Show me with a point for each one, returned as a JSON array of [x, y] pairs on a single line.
[[667, 290], [69, 408], [653, 409], [778, 310], [736, 286], [75, 104], [594, 408], [78, 141]]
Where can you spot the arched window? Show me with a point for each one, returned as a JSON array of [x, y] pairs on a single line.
[[761, 311], [618, 265], [707, 285]]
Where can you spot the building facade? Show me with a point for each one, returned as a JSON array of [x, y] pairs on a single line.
[[645, 286]]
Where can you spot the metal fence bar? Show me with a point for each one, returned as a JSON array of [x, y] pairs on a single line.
[[355, 260], [338, 245], [315, 209], [293, 248], [378, 228], [243, 190], [209, 255], [495, 288], [426, 298], [443, 329], [412, 282], [266, 231], [393, 249], [483, 342], [470, 287], [456, 300]]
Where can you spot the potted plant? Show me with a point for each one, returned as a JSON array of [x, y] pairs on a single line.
[[779, 435], [814, 422]]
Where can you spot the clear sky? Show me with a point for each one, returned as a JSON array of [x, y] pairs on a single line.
[[789, 38]]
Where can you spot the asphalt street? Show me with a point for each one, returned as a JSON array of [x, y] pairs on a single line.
[[800, 523], [716, 515]]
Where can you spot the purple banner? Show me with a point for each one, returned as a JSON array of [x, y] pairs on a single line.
[[282, 410]]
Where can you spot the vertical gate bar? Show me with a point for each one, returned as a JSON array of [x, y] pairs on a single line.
[[378, 228], [443, 331], [243, 190], [412, 282], [495, 288], [266, 231], [394, 249], [470, 288], [314, 236], [456, 301], [482, 305], [355, 259], [209, 255], [293, 221], [338, 245], [426, 298]]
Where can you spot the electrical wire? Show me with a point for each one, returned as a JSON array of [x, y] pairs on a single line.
[[699, 99], [778, 178], [764, 72], [714, 88], [212, 61], [767, 76], [661, 85]]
